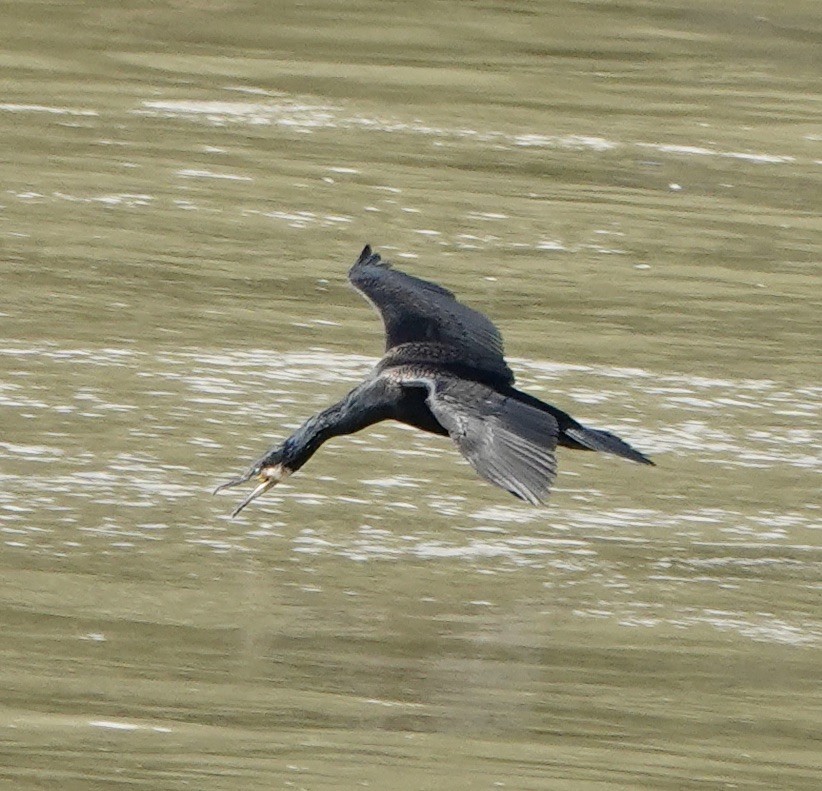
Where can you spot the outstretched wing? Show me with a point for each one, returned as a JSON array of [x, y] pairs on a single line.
[[507, 442], [417, 311]]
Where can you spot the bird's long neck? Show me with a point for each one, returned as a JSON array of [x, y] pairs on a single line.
[[365, 405]]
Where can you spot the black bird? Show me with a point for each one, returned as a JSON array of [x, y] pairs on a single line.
[[443, 371]]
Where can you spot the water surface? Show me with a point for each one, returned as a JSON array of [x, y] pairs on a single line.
[[629, 190]]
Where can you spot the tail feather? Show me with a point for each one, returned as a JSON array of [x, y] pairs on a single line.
[[606, 442]]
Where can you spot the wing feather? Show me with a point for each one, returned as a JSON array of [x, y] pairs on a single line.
[[418, 311], [507, 442]]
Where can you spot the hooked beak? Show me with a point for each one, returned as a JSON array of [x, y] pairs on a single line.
[[269, 476]]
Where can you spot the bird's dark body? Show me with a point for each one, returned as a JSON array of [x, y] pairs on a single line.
[[411, 406], [443, 372]]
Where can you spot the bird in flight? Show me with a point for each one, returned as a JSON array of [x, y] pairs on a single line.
[[443, 371]]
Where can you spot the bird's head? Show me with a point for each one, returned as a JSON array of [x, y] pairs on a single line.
[[269, 470]]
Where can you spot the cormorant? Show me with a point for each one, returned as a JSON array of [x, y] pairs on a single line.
[[443, 371]]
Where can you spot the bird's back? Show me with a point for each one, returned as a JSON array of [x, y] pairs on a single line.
[[415, 359]]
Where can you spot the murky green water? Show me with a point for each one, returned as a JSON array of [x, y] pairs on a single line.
[[630, 190]]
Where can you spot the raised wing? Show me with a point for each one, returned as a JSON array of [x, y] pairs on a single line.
[[418, 311], [507, 442]]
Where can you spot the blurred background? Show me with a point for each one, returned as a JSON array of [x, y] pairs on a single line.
[[630, 190]]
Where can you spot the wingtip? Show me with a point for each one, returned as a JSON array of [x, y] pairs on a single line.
[[365, 254], [369, 257]]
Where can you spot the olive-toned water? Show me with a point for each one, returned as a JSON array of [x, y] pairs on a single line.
[[630, 190]]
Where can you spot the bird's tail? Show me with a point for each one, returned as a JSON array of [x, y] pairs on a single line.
[[604, 441]]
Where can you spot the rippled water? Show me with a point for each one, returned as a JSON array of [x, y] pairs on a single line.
[[629, 191]]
